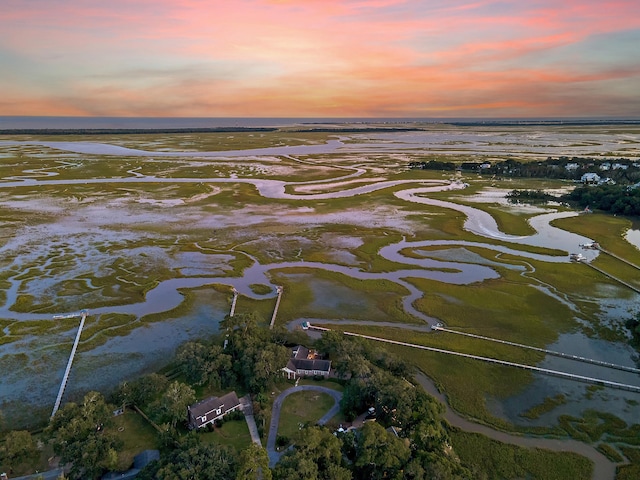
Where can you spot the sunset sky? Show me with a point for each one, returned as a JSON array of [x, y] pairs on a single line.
[[320, 58]]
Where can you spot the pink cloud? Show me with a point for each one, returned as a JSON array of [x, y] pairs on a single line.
[[295, 57]]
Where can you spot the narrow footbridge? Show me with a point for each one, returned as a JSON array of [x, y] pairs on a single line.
[[546, 371], [279, 289], [233, 303], [65, 377], [608, 275], [543, 350], [619, 258]]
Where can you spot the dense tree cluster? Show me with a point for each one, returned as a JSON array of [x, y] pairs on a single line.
[[18, 447], [626, 171], [81, 439], [416, 448], [252, 357], [141, 391], [166, 403], [317, 456], [530, 196], [433, 165], [615, 199], [192, 459]]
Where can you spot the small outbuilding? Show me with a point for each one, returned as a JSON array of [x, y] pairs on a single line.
[[211, 409]]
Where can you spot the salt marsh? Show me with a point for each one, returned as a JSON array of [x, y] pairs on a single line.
[[128, 230]]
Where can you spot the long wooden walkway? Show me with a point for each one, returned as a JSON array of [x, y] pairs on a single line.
[[65, 377], [608, 275], [619, 258], [546, 371], [279, 289], [543, 350], [232, 312]]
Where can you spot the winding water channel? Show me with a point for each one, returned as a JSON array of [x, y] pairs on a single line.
[[603, 467], [166, 295]]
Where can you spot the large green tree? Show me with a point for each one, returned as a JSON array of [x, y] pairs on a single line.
[[81, 438], [379, 453], [205, 364], [317, 456], [192, 459], [257, 360], [175, 401], [141, 391], [18, 446], [253, 464]]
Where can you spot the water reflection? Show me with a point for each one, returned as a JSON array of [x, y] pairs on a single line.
[[633, 237]]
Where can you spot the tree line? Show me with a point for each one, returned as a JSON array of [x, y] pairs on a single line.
[[627, 171]]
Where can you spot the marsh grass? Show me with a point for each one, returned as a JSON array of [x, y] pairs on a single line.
[[376, 299], [595, 426], [263, 308], [547, 405], [190, 299], [508, 222], [496, 308], [99, 329], [495, 460], [631, 471], [260, 288], [610, 452], [620, 270]]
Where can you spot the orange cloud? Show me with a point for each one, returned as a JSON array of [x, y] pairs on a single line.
[[316, 57]]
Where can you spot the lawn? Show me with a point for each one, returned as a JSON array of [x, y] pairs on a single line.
[[300, 408], [233, 433], [322, 383], [136, 434]]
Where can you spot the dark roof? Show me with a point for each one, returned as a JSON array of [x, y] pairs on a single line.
[[300, 352], [211, 404], [303, 359], [315, 364]]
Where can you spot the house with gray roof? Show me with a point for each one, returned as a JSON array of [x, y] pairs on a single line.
[[304, 362], [211, 409]]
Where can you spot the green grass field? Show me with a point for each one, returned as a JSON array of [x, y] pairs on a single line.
[[301, 408], [233, 433], [136, 434]]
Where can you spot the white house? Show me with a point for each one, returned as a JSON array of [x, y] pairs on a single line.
[[590, 178], [619, 166]]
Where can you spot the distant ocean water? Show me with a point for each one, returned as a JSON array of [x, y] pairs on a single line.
[[123, 123], [7, 123]]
